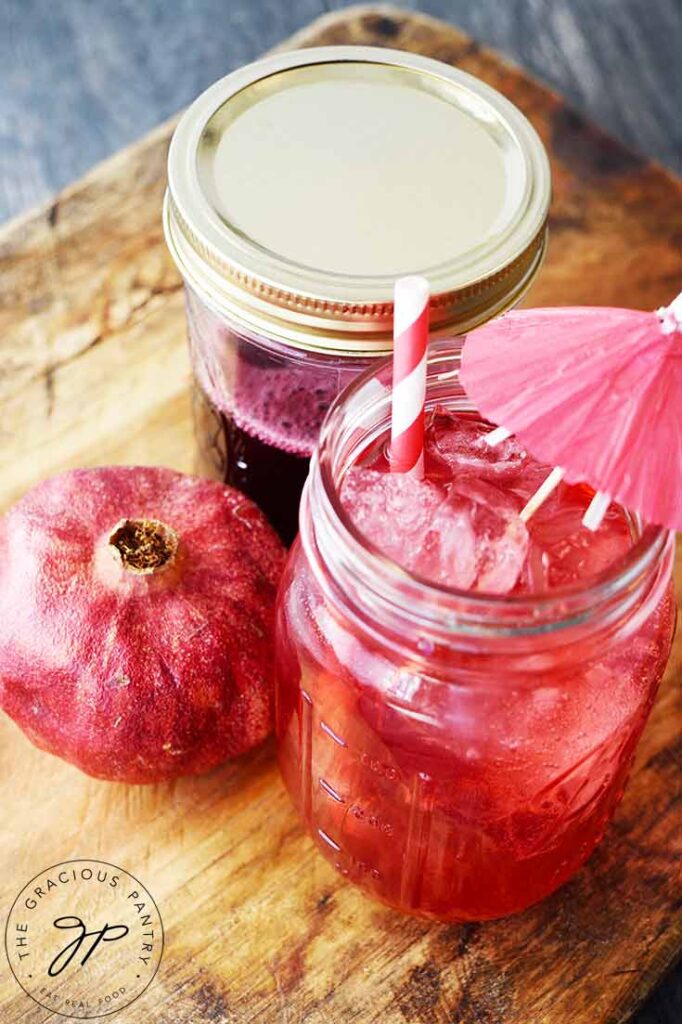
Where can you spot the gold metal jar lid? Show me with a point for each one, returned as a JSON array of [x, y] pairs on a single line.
[[300, 187]]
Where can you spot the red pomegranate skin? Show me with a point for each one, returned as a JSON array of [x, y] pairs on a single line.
[[137, 678]]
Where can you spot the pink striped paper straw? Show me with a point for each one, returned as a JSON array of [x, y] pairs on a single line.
[[410, 339]]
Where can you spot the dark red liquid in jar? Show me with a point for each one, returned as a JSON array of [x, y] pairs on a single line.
[[271, 476], [465, 785], [258, 415]]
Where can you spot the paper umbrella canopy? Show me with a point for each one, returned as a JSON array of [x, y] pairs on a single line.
[[594, 391]]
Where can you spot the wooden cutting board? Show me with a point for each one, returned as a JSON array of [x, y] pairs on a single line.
[[258, 928]]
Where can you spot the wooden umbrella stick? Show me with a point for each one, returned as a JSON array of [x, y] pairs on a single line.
[[497, 436], [549, 484], [596, 510]]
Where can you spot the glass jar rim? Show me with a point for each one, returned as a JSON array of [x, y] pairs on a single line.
[[526, 614]]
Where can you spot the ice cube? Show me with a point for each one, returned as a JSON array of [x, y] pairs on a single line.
[[572, 553], [501, 537], [459, 443], [467, 535], [447, 549], [393, 510]]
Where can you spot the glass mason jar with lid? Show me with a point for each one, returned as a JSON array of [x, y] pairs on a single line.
[[299, 188], [458, 754]]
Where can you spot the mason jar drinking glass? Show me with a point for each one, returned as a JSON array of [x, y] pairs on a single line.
[[457, 754], [299, 188]]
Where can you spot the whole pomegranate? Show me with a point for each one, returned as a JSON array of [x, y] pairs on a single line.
[[136, 613]]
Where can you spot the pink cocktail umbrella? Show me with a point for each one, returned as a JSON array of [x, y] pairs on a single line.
[[594, 391]]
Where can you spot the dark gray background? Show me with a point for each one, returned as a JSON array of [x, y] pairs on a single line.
[[81, 78]]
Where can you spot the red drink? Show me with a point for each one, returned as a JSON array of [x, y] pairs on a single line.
[[459, 752], [262, 444], [258, 411]]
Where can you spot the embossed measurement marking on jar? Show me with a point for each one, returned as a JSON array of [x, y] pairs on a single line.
[[353, 866], [357, 868], [378, 767], [332, 735], [373, 820], [330, 791], [328, 840]]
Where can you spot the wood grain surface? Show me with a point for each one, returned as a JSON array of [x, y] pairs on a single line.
[[258, 927]]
